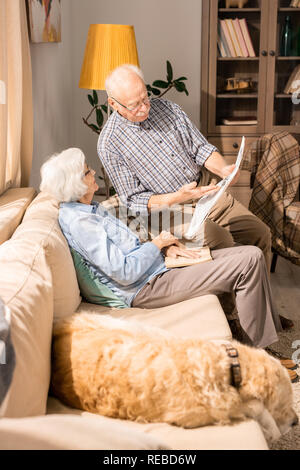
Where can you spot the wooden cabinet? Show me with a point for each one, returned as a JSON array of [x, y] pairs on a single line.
[[266, 102]]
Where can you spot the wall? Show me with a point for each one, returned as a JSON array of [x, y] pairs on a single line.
[[164, 29], [52, 95]]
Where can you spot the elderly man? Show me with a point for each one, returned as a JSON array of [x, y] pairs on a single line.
[[155, 157]]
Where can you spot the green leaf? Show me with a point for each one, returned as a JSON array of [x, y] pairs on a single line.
[[95, 96], [112, 191], [179, 86], [148, 87], [91, 100], [155, 91], [169, 72], [96, 128], [185, 89], [180, 79], [160, 84], [99, 116], [104, 107]]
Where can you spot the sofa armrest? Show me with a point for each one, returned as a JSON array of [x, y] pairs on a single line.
[[13, 204]]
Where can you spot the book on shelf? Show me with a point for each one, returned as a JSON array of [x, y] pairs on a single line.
[[293, 84], [234, 38], [240, 36], [239, 121], [247, 37], [223, 39], [228, 38], [180, 261], [221, 45], [295, 4]]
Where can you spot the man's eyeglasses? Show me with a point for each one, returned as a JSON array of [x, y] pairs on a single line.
[[145, 101]]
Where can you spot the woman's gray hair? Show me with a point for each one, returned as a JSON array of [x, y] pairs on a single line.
[[118, 75], [62, 175]]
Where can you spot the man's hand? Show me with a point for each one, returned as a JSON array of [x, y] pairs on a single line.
[[175, 251], [192, 191], [226, 170], [165, 239]]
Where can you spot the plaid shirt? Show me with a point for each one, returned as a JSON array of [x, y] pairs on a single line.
[[156, 156]]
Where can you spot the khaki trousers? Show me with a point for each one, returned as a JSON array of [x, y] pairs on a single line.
[[241, 270], [229, 223]]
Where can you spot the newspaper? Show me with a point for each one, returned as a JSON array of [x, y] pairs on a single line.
[[206, 203]]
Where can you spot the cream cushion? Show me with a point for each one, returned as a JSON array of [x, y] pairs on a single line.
[[201, 317], [73, 432], [13, 204], [246, 435], [40, 224], [26, 288]]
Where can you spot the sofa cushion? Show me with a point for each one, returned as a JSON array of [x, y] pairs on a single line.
[[40, 224], [26, 289], [75, 432], [200, 317], [246, 435], [90, 286], [13, 204]]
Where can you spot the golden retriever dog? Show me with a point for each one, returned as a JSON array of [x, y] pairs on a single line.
[[124, 369]]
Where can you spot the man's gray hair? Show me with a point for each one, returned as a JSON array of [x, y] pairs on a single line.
[[62, 175], [118, 75]]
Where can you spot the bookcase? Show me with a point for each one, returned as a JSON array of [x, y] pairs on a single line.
[[265, 107]]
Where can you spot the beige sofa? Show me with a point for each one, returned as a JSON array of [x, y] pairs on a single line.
[[38, 283]]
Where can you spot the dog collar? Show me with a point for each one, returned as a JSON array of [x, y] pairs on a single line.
[[235, 366]]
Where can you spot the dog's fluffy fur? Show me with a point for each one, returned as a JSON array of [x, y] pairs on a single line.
[[124, 369]]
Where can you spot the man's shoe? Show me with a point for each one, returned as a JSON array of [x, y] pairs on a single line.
[[286, 323], [285, 361], [293, 375]]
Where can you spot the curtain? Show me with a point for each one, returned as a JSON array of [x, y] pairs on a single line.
[[16, 119]]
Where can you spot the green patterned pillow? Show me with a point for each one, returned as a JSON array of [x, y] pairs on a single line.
[[91, 288]]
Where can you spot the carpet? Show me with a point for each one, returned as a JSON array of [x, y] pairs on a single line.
[[290, 440]]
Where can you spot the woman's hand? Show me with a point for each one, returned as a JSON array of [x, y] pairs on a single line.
[[165, 239]]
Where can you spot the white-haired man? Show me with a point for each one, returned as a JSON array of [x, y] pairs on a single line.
[[154, 156]]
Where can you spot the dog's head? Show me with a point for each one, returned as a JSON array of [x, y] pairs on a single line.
[[267, 393], [279, 401]]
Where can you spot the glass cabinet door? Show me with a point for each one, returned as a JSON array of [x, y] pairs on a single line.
[[237, 90], [283, 91]]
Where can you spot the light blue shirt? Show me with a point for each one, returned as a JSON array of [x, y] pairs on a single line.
[[112, 250]]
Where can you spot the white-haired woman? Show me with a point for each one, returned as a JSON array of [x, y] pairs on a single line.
[[136, 271]]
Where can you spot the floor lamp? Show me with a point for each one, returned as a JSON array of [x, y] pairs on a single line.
[[108, 46]]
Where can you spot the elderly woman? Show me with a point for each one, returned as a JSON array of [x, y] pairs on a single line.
[[136, 271]]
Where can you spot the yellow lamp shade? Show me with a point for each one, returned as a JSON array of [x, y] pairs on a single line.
[[108, 46]]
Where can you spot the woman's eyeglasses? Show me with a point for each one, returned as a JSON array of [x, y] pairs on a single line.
[[89, 170]]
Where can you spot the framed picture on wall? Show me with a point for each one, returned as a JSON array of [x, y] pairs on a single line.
[[44, 20]]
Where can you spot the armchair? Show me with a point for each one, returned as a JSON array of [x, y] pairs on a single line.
[[274, 163]]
